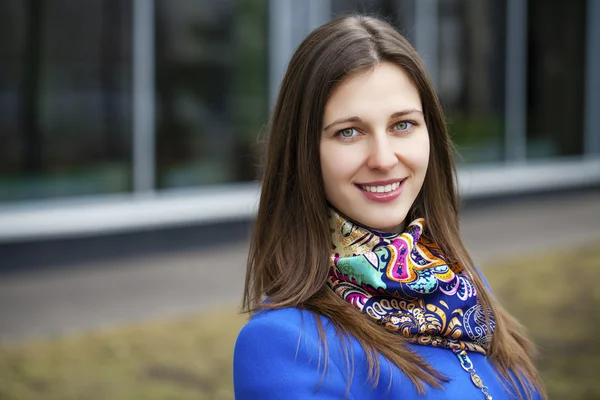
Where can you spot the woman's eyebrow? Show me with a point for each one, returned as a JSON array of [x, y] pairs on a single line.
[[343, 120], [406, 112], [357, 119]]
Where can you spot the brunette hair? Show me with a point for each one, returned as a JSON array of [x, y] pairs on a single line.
[[290, 248]]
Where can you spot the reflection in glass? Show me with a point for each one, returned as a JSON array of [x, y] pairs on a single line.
[[555, 77], [212, 94], [65, 98], [471, 76]]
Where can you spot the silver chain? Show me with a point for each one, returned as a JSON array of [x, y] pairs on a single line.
[[467, 365]]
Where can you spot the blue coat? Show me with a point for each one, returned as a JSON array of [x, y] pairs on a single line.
[[274, 360]]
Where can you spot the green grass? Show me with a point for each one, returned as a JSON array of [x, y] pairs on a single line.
[[555, 295], [184, 358]]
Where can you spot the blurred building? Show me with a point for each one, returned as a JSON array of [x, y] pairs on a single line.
[[118, 115]]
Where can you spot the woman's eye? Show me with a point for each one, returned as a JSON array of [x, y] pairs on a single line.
[[403, 125], [347, 133]]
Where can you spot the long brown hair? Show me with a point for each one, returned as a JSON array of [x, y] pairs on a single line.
[[290, 248]]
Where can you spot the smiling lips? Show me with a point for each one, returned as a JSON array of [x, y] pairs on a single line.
[[382, 191]]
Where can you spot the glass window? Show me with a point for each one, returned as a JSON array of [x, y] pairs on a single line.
[[65, 79], [212, 91], [471, 81], [555, 76]]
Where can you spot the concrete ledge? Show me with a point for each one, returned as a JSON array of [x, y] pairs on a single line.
[[503, 180], [129, 213], [117, 214]]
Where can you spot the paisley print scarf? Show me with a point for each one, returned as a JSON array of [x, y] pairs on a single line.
[[403, 282]]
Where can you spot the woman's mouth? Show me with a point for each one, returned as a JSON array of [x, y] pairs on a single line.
[[382, 191]]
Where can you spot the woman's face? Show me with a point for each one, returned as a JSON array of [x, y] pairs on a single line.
[[374, 147]]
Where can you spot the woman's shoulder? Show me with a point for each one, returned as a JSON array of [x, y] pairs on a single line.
[[288, 316], [279, 349], [282, 326], [289, 322]]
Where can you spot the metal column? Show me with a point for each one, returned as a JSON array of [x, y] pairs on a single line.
[[289, 23], [592, 79], [143, 96], [516, 82], [426, 35], [280, 43]]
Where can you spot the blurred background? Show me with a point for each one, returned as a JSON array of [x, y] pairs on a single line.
[[130, 141]]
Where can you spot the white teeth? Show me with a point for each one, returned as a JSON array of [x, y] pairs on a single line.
[[381, 189]]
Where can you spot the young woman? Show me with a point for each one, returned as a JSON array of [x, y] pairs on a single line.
[[358, 282]]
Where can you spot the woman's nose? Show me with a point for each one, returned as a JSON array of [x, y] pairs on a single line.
[[382, 155]]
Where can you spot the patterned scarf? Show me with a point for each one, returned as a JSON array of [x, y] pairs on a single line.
[[404, 283]]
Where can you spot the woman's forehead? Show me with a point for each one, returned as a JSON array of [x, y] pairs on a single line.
[[383, 90]]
